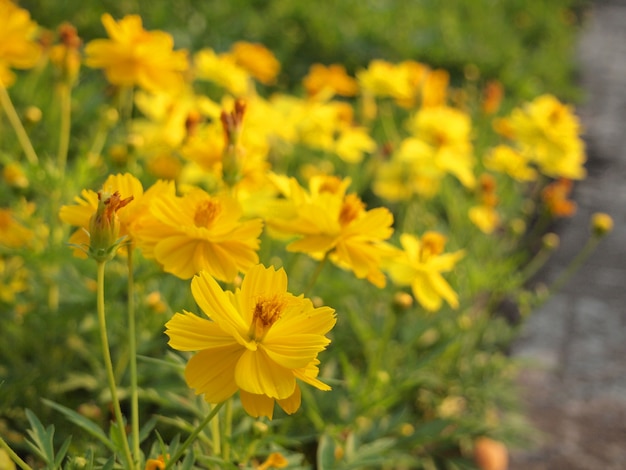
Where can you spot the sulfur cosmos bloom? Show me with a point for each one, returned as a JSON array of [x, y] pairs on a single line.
[[197, 231], [259, 340], [420, 264], [258, 60], [328, 223], [134, 56], [18, 47]]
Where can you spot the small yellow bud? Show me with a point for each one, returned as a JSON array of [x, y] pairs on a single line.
[[32, 115], [550, 241], [490, 454], [15, 176], [402, 301], [601, 224], [104, 226]]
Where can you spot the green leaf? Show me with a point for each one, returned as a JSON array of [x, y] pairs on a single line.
[[62, 452], [326, 453], [84, 423], [41, 439]]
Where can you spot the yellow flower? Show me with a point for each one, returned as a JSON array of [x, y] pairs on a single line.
[[485, 217], [274, 460], [259, 61], [258, 340], [448, 132], [352, 143], [330, 223], [420, 265], [601, 223], [548, 133], [14, 278], [198, 232], [384, 79], [18, 48], [505, 159], [12, 233], [134, 56], [325, 81], [222, 70]]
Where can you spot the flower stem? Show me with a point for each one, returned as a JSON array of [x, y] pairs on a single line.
[[64, 134], [132, 348], [13, 456], [228, 429], [192, 437], [316, 274], [16, 123], [108, 363]]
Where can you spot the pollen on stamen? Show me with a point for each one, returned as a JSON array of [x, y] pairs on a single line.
[[267, 311], [206, 212]]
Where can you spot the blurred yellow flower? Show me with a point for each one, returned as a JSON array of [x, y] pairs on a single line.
[[386, 80], [18, 47], [420, 264], [134, 56], [601, 223], [485, 216], [548, 134], [327, 81], [259, 61], [258, 340], [13, 278], [330, 223], [222, 70], [352, 143], [12, 233], [505, 159], [198, 232]]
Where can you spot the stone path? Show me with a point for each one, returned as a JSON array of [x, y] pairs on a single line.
[[575, 389]]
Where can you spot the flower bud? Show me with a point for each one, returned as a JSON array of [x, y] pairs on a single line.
[[104, 226], [601, 224]]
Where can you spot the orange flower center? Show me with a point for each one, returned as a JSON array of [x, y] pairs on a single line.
[[206, 212], [432, 245], [352, 207], [266, 312]]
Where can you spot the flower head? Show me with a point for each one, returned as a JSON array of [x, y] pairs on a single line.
[[104, 226], [134, 56], [198, 232], [257, 60], [555, 197], [18, 48], [420, 265], [257, 340], [334, 79]]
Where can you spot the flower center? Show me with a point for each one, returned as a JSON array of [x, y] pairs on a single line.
[[206, 212], [432, 245], [352, 207], [266, 312]]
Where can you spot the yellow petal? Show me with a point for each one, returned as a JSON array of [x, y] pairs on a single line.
[[294, 351], [259, 281], [257, 405], [189, 332], [176, 254], [211, 372], [291, 404], [257, 373]]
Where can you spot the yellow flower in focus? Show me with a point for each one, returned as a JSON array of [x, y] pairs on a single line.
[[328, 81], [12, 233], [257, 340], [222, 70], [548, 134], [330, 223], [505, 159], [420, 265], [18, 47], [134, 56], [198, 232], [259, 61]]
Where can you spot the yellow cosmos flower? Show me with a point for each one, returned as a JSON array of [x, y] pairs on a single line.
[[548, 133], [352, 143], [327, 81], [222, 70], [258, 60], [505, 159], [198, 232], [257, 340], [420, 265], [330, 223], [12, 233], [18, 48], [134, 56], [384, 79]]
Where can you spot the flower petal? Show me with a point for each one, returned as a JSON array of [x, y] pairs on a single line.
[[291, 404], [257, 373], [257, 405], [189, 332], [210, 372]]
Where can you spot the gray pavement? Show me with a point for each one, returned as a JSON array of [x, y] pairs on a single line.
[[575, 345]]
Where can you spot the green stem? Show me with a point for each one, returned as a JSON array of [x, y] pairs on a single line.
[[228, 429], [64, 134], [132, 348], [576, 263], [16, 123], [316, 274], [13, 456], [216, 434], [192, 437], [108, 363]]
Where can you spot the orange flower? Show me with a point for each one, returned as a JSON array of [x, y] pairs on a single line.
[[555, 198], [332, 79], [259, 61]]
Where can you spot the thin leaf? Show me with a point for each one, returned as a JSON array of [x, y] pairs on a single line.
[[62, 452], [82, 422], [42, 439]]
